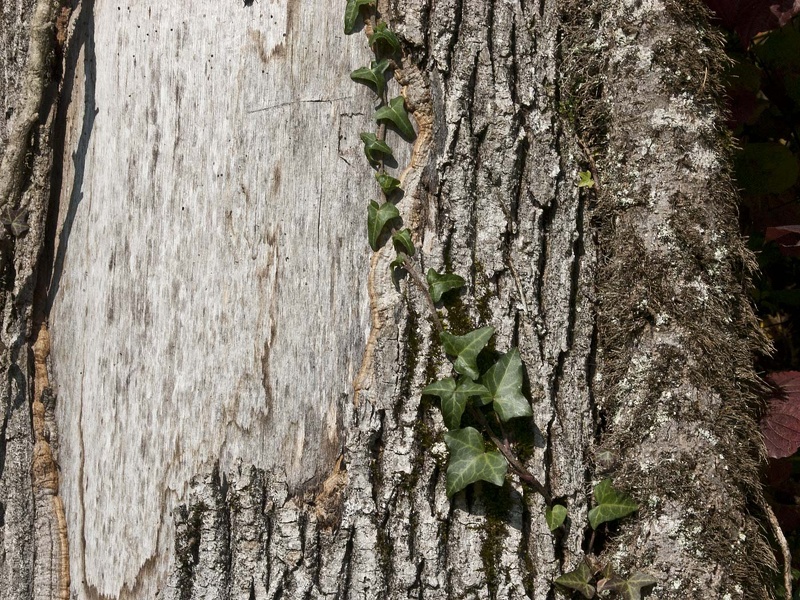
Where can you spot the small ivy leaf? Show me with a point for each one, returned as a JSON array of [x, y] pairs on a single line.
[[469, 462], [395, 112], [555, 516], [377, 218], [611, 504], [398, 262], [372, 76], [373, 147], [439, 284], [16, 220], [585, 179], [403, 239], [454, 397], [351, 13], [387, 182], [629, 589], [504, 382], [466, 349], [605, 459], [578, 580], [385, 37]]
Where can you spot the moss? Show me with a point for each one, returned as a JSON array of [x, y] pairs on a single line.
[[187, 546], [498, 505]]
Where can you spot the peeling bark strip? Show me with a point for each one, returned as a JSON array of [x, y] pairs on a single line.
[[676, 332], [33, 542]]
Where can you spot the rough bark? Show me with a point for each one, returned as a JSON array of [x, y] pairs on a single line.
[[32, 526], [226, 429]]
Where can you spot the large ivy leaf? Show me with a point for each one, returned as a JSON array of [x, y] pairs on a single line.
[[377, 218], [372, 76], [16, 220], [466, 349], [555, 516], [611, 504], [578, 580], [439, 284], [383, 36], [469, 462], [454, 397], [629, 589], [395, 112], [374, 148], [351, 13], [387, 182], [780, 425], [504, 382]]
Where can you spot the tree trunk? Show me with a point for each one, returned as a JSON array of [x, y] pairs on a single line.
[[214, 385]]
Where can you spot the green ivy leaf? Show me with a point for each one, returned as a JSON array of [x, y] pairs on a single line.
[[585, 179], [387, 182], [555, 516], [398, 262], [373, 147], [578, 580], [454, 397], [373, 76], [377, 218], [466, 349], [629, 589], [351, 13], [439, 284], [395, 112], [385, 37], [611, 504], [469, 462], [504, 382], [403, 239], [766, 168]]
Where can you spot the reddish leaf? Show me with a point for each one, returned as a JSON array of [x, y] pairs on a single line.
[[781, 425], [750, 17], [787, 237]]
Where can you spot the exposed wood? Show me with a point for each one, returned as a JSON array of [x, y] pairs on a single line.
[[209, 286]]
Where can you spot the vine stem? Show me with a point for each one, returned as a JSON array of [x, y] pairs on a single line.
[[417, 277], [504, 446]]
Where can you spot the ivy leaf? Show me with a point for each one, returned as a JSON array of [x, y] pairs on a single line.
[[469, 462], [16, 220], [585, 179], [403, 239], [629, 589], [377, 218], [504, 382], [578, 580], [398, 262], [555, 516], [385, 37], [439, 284], [395, 112], [372, 76], [373, 147], [351, 13], [387, 182], [611, 504], [466, 349], [454, 397]]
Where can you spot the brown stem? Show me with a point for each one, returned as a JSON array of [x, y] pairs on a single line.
[[505, 449], [423, 287]]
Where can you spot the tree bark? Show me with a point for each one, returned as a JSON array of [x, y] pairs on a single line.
[[220, 382]]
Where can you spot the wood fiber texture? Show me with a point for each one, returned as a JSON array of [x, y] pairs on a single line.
[[208, 295]]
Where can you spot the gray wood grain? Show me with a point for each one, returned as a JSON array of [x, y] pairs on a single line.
[[209, 294]]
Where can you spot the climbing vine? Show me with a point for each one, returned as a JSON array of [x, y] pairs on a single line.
[[481, 396]]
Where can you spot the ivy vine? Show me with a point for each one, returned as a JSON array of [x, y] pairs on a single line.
[[486, 396]]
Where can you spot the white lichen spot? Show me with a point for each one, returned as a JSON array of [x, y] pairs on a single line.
[[742, 537], [662, 319], [677, 583]]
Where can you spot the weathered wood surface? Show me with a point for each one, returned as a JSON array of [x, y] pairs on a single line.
[[209, 290]]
